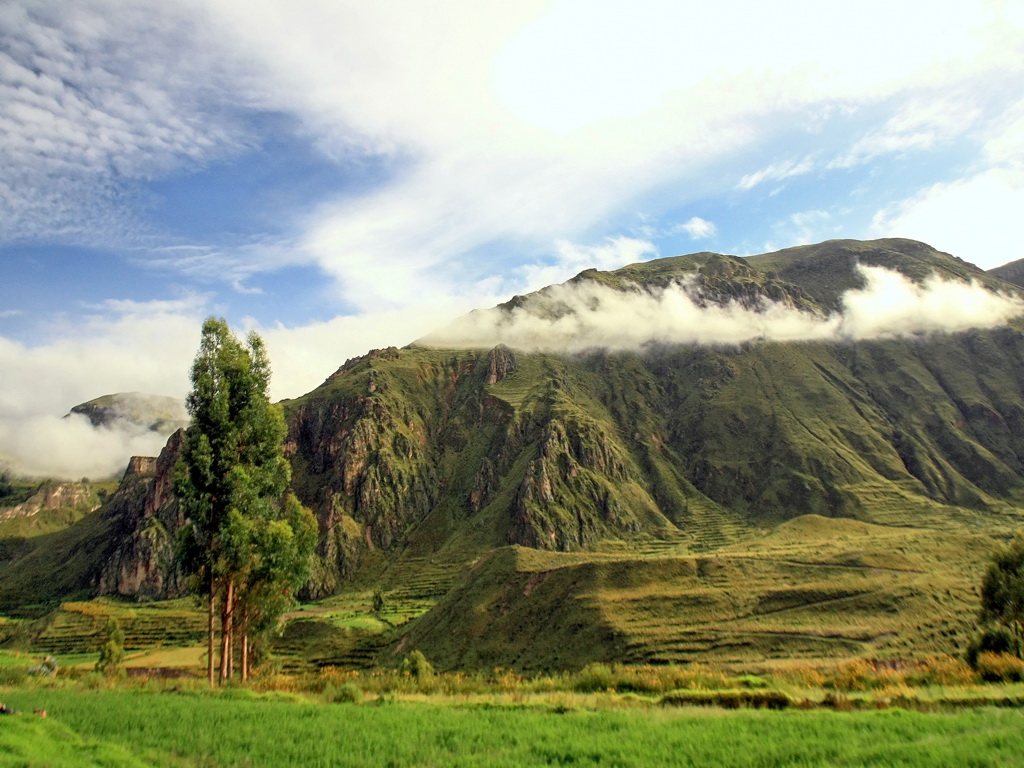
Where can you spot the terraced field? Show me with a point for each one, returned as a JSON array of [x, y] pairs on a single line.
[[80, 627], [814, 588]]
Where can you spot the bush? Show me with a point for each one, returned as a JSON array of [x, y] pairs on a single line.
[[990, 640], [1000, 667], [13, 675], [728, 699], [837, 701], [346, 693], [111, 661], [416, 664], [861, 675], [752, 681], [594, 677], [942, 670], [802, 676]]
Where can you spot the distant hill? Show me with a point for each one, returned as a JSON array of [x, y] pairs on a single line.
[[135, 410], [1011, 273]]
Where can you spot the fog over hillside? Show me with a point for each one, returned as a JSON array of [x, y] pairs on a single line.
[[586, 315]]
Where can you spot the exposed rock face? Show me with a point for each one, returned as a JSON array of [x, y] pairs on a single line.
[[146, 520], [53, 497], [501, 363]]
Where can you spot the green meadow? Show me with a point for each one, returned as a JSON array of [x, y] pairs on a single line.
[[241, 728]]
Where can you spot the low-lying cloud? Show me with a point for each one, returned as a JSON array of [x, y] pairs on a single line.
[[575, 317], [71, 448]]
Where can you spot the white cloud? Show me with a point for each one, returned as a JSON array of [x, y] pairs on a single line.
[[802, 228], [590, 315], [776, 172], [233, 265], [534, 121], [302, 357], [96, 96], [527, 122], [124, 346], [976, 218], [892, 305], [923, 124], [71, 448], [698, 228], [570, 259], [1004, 145]]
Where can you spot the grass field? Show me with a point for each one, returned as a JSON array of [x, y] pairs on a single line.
[[239, 728]]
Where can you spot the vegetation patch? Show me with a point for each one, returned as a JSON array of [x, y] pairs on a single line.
[[737, 698]]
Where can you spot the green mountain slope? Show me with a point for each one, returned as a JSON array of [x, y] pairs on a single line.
[[672, 451], [427, 448]]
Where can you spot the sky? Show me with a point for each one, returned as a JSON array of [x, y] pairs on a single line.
[[341, 175]]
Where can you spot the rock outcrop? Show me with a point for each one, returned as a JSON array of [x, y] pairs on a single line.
[[145, 520], [55, 497]]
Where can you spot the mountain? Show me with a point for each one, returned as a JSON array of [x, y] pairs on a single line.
[[698, 456], [1011, 273], [134, 411], [429, 448]]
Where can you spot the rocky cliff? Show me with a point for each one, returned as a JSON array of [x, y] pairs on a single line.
[[74, 499], [144, 521]]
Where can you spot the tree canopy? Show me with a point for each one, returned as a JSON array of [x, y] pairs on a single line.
[[246, 542], [1002, 590]]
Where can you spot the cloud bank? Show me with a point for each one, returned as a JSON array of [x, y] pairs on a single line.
[[71, 448], [122, 346], [575, 317]]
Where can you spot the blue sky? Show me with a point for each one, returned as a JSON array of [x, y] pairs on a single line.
[[344, 175]]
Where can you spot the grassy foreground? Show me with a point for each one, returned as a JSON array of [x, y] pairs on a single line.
[[240, 728]]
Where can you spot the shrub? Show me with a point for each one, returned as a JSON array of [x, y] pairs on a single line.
[[1000, 667], [346, 693], [728, 699], [990, 640], [837, 701], [942, 670], [803, 676], [111, 661], [416, 664], [752, 681], [13, 675], [861, 675], [594, 677]]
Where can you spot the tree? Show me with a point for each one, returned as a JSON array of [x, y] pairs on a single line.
[[111, 661], [232, 479], [1002, 590], [278, 564]]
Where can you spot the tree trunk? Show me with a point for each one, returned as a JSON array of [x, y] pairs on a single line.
[[225, 640], [245, 656], [212, 631]]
